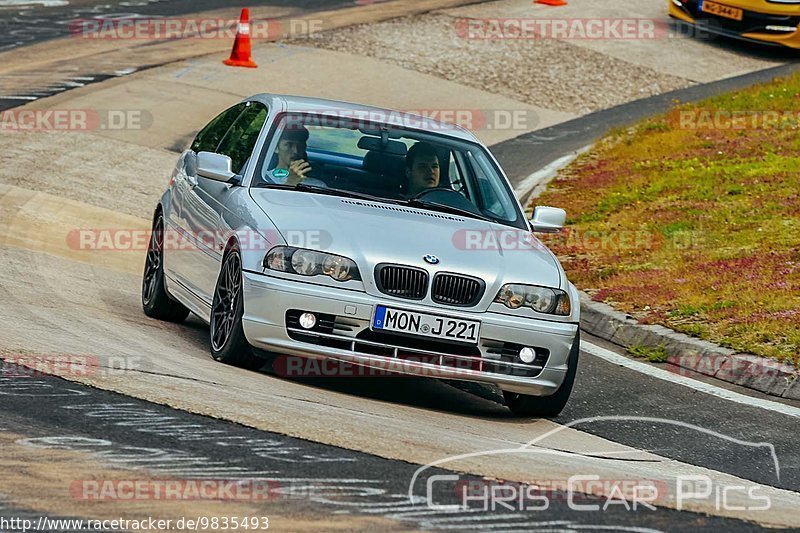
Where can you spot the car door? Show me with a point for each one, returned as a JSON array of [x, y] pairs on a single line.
[[187, 212], [211, 220]]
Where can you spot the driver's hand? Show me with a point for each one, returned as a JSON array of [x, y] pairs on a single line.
[[298, 170]]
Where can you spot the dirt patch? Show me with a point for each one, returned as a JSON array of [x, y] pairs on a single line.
[[549, 73]]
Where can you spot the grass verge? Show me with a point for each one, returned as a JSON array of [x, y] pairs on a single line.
[[692, 220], [656, 354]]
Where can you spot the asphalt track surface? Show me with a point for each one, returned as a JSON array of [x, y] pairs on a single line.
[[66, 415], [302, 476], [23, 25]]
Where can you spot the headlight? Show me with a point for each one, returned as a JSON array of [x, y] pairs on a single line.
[[338, 267], [311, 263], [307, 262], [540, 299]]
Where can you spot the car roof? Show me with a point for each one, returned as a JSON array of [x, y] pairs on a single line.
[[392, 117]]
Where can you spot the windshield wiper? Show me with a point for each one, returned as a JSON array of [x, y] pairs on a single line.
[[342, 192], [327, 190], [422, 204], [274, 186]]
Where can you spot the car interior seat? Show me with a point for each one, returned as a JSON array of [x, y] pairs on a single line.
[[389, 169]]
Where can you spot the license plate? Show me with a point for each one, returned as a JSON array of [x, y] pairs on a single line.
[[425, 325], [721, 10]]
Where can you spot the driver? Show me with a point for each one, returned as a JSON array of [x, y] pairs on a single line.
[[422, 168], [292, 164]]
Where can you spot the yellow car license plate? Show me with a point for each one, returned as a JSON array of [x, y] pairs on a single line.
[[722, 10]]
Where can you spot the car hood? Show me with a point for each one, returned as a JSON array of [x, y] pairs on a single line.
[[373, 232]]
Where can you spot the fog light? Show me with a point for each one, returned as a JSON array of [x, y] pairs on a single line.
[[527, 355], [307, 320], [781, 28]]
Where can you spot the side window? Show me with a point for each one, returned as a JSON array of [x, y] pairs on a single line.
[[240, 140], [456, 180], [209, 137], [491, 197]]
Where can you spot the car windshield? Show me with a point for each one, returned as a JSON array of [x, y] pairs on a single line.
[[386, 163]]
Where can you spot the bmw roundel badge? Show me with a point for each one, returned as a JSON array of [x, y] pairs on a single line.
[[431, 259]]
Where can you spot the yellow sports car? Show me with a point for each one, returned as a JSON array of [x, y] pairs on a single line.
[[765, 21]]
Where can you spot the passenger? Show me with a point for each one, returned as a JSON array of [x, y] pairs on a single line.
[[422, 168]]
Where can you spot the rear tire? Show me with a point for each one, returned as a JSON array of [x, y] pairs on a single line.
[[228, 342], [156, 301], [547, 406]]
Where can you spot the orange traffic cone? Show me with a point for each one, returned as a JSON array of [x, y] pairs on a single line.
[[550, 2], [240, 55]]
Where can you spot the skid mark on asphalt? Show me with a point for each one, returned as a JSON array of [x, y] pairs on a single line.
[[8, 101], [312, 481], [28, 25], [42, 480]]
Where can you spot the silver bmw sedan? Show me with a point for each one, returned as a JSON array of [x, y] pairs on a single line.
[[324, 230]]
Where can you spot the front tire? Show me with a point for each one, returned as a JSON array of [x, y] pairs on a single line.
[[156, 301], [547, 406], [228, 342]]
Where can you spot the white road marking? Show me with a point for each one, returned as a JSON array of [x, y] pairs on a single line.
[[533, 180], [700, 386], [544, 175]]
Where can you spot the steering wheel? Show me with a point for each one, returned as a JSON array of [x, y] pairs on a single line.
[[447, 197], [444, 192]]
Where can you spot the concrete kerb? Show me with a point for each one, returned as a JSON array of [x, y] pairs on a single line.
[[686, 353], [689, 353]]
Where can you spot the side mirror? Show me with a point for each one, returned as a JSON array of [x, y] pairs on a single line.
[[548, 219], [214, 166]]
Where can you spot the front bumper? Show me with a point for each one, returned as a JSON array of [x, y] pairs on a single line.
[[752, 28], [268, 299]]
